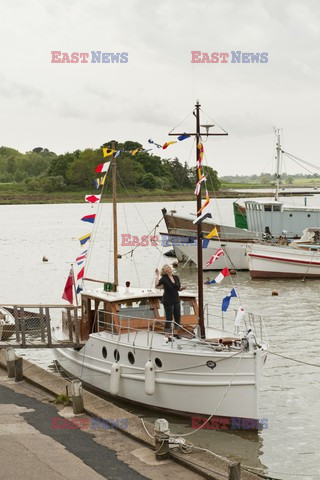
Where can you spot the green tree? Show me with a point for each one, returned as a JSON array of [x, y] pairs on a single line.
[[149, 181], [82, 171]]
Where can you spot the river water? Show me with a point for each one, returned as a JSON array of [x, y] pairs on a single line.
[[290, 390]]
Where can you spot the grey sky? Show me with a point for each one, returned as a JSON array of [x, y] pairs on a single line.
[[68, 106]]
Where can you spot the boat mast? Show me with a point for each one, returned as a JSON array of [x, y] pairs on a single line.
[[278, 175], [197, 134], [115, 223], [199, 233]]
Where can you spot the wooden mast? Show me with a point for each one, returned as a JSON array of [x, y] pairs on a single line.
[[197, 134], [115, 223], [199, 231]]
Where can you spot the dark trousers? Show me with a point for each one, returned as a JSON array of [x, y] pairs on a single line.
[[174, 310]]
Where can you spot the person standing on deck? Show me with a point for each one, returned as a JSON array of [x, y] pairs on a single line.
[[171, 300]]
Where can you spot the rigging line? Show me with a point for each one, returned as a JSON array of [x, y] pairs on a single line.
[[301, 160], [215, 123], [148, 234], [302, 166], [184, 174], [178, 124], [294, 359]]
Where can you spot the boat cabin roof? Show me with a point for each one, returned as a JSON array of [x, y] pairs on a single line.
[[131, 293]]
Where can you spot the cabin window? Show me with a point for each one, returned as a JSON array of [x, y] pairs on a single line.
[[267, 208], [104, 352], [116, 355], [276, 208], [158, 362], [140, 309], [131, 358]]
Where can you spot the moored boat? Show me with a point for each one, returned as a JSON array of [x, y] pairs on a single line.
[[203, 368]]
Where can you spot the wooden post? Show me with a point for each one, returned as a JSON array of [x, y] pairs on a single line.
[[69, 320], [10, 359], [18, 369], [17, 323], [23, 328], [235, 471], [48, 327], [76, 326], [42, 325], [77, 396]]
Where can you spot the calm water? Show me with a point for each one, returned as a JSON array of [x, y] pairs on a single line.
[[290, 391]]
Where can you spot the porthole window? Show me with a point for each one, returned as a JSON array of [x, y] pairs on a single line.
[[308, 215], [104, 352], [290, 215], [131, 358], [158, 362], [116, 355]]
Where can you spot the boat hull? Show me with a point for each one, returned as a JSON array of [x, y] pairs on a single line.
[[271, 261], [184, 383]]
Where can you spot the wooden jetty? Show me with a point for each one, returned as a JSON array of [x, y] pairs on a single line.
[[32, 325]]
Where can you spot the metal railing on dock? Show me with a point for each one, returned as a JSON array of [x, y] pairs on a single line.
[[34, 325]]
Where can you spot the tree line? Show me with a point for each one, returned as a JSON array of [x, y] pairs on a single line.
[[43, 170]]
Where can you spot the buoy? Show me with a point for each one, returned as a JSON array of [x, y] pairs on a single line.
[[274, 293], [149, 378], [44, 259], [115, 379]]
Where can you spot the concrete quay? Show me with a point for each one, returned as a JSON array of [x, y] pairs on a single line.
[[31, 448]]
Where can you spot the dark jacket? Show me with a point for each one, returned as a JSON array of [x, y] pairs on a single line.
[[171, 290]]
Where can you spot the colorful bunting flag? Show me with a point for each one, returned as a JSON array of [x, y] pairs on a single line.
[[92, 198], [79, 289], [85, 238], [205, 242], [68, 289], [224, 273], [81, 257], [154, 143], [183, 137], [107, 152], [89, 218], [217, 254], [200, 154], [99, 182], [198, 186], [103, 167], [213, 233], [80, 274], [201, 218], [166, 145], [117, 153], [206, 203], [226, 300]]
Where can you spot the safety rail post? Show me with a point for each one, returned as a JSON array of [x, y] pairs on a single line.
[[23, 327], [76, 326], [42, 325], [17, 323], [48, 327]]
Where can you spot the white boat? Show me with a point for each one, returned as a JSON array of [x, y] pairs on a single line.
[[182, 237], [209, 369], [279, 217], [300, 259]]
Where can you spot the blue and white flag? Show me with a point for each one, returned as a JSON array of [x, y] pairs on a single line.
[[226, 300]]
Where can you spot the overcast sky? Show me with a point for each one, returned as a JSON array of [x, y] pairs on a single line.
[[68, 106]]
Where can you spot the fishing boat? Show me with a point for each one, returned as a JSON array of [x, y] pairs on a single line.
[[182, 237], [300, 259], [279, 217], [208, 368]]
